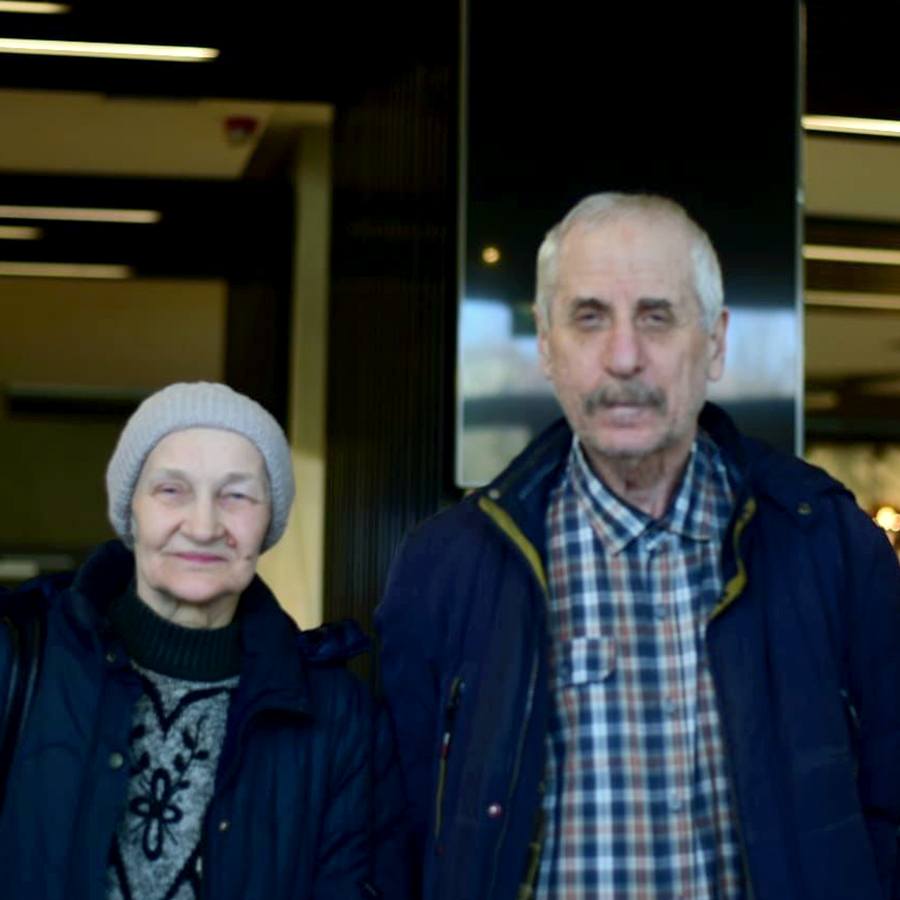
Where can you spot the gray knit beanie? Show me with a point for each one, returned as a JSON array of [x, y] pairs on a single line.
[[199, 404]]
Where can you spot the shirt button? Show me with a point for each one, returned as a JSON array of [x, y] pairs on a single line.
[[116, 760], [659, 611], [675, 803], [224, 825], [670, 706], [494, 811]]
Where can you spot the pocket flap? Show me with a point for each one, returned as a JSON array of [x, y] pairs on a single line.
[[583, 660]]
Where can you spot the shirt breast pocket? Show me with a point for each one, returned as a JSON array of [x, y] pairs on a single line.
[[585, 660]]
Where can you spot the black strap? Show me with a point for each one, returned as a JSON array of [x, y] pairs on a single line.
[[24, 621]]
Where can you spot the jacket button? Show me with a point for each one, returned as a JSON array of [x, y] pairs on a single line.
[[494, 811], [224, 825], [116, 760], [111, 657], [804, 508]]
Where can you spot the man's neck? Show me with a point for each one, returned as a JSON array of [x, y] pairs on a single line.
[[647, 483]]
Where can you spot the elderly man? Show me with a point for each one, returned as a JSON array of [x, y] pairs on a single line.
[[184, 739], [653, 658]]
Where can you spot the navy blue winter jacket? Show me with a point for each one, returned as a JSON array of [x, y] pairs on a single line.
[[804, 649], [291, 816]]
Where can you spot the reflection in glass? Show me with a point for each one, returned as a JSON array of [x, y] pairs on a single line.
[[505, 401]]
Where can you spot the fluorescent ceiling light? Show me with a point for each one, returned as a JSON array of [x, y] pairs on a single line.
[[79, 214], [853, 300], [18, 569], [158, 53], [20, 233], [870, 255], [852, 125], [64, 270], [24, 6]]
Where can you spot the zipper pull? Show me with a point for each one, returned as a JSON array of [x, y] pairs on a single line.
[[456, 689]]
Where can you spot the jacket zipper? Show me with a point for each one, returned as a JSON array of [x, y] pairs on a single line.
[[456, 689], [731, 592], [507, 525]]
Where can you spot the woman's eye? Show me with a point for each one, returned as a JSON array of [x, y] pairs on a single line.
[[238, 497]]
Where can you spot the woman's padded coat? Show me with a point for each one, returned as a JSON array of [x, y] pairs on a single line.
[[306, 803]]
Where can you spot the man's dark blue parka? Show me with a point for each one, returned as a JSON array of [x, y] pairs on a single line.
[[297, 810], [804, 649]]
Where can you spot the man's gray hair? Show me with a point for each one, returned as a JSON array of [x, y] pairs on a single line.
[[598, 209]]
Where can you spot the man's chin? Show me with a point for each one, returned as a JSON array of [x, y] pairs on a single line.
[[625, 444]]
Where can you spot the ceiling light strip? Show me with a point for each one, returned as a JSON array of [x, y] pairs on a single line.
[[81, 214], [158, 53], [64, 270], [40, 9], [876, 256], [20, 233], [853, 300], [852, 125]]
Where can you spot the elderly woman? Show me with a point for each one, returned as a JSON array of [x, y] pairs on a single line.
[[184, 740]]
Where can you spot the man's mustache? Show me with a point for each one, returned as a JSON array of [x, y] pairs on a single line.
[[631, 393]]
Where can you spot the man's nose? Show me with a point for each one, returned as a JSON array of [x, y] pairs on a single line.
[[202, 522], [623, 350]]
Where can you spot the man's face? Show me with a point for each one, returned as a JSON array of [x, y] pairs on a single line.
[[200, 512], [625, 347]]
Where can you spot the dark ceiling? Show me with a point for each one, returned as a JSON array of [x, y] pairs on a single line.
[[319, 51], [315, 51], [851, 55], [277, 51]]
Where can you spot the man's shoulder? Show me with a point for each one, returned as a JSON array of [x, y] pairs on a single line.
[[451, 526], [522, 489], [770, 474], [789, 481]]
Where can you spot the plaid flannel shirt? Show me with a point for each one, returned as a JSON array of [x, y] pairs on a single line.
[[637, 798]]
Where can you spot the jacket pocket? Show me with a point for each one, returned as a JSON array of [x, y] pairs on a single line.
[[451, 706], [585, 660]]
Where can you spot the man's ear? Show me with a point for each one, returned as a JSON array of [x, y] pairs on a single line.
[[542, 340], [716, 365]]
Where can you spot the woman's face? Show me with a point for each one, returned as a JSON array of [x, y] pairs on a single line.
[[200, 510]]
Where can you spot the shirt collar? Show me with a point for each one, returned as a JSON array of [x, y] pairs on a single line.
[[691, 512]]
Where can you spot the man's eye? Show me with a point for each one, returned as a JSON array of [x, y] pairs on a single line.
[[656, 319], [587, 317]]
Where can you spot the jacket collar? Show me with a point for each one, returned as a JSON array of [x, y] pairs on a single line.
[[798, 488], [273, 668], [524, 487]]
